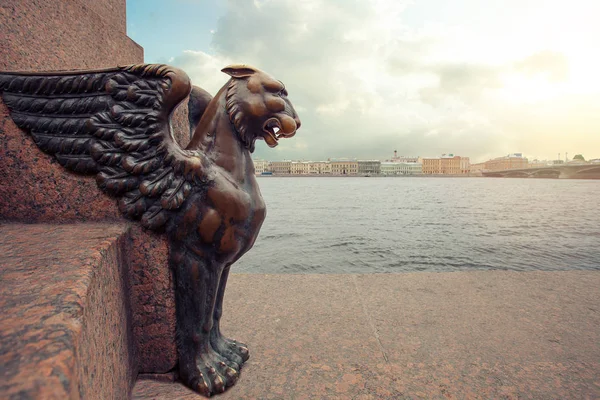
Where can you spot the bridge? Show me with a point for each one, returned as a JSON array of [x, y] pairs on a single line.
[[560, 171]]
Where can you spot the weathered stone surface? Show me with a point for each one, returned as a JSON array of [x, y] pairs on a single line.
[[153, 302], [35, 188], [81, 34], [50, 35], [463, 335], [64, 326], [114, 11]]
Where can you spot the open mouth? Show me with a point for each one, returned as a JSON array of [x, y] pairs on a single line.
[[272, 128]]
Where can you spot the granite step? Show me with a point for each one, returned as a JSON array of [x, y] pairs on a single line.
[[65, 322]]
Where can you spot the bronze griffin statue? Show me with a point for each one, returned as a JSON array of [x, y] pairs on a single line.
[[116, 125]]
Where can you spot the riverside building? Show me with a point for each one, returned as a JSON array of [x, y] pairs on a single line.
[[261, 166], [300, 168], [281, 167], [477, 169], [344, 167], [320, 168], [447, 164], [432, 166], [369, 167], [389, 168], [511, 161]]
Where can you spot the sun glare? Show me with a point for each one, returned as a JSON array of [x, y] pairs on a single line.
[[519, 89]]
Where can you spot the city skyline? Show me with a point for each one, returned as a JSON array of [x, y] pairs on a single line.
[[446, 164], [404, 156], [425, 77]]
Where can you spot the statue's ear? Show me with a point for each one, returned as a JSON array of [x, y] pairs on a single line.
[[239, 70]]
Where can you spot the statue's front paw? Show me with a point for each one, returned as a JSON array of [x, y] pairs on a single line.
[[238, 348], [210, 375], [236, 352]]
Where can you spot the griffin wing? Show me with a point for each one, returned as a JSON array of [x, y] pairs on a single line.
[[116, 124], [199, 99]]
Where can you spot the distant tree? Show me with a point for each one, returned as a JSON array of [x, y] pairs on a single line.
[[579, 157]]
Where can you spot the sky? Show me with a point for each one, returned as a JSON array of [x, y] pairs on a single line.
[[424, 77]]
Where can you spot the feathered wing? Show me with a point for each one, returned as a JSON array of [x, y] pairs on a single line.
[[116, 124]]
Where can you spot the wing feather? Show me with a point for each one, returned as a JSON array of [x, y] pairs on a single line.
[[114, 123]]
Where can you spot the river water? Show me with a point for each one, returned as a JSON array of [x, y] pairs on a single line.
[[366, 225]]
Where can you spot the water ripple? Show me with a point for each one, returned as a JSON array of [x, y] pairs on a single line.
[[365, 225]]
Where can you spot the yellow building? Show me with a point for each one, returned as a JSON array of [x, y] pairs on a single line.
[[477, 169], [320, 168], [300, 168], [281, 167], [261, 166], [432, 166], [454, 165], [511, 161], [446, 165], [344, 167]]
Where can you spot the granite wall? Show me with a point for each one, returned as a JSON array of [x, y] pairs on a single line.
[[81, 34]]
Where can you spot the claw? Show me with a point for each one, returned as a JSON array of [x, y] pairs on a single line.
[[202, 387], [244, 353], [231, 375], [218, 385]]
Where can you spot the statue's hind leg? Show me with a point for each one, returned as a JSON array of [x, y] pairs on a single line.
[[235, 351], [200, 366]]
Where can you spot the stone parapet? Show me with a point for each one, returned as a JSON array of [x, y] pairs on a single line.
[[152, 301], [65, 329]]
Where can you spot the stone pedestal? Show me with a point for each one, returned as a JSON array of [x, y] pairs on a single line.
[[82, 34]]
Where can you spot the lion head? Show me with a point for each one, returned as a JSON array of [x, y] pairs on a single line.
[[258, 106]]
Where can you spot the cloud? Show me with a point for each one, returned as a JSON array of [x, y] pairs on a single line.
[[552, 64], [204, 69], [366, 80]]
